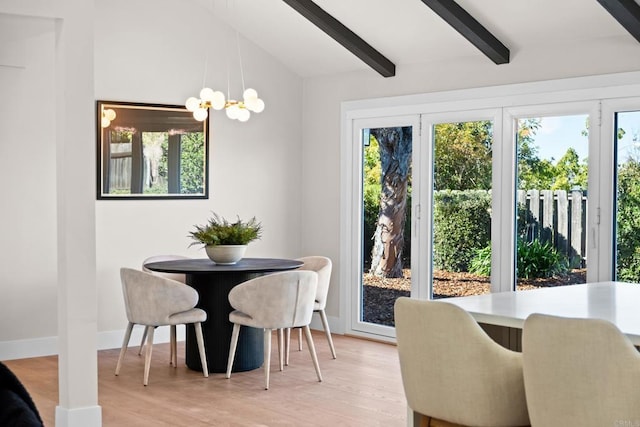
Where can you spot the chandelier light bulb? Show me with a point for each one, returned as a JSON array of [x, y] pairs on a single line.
[[105, 122], [250, 94], [243, 114], [233, 110], [258, 107], [217, 100], [200, 114], [192, 104], [207, 94]]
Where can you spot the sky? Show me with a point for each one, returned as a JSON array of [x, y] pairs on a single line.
[[557, 134]]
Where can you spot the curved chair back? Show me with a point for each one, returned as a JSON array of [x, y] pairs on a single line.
[[158, 258], [152, 300], [278, 300], [322, 266], [453, 371], [579, 372]]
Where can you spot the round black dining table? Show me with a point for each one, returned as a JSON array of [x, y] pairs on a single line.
[[213, 283]]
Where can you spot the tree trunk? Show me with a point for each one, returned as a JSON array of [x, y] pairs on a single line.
[[395, 161]]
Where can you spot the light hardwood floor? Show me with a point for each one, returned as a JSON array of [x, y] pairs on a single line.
[[362, 387]]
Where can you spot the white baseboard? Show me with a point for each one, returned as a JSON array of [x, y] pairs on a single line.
[[113, 339], [48, 346], [334, 324], [23, 349]]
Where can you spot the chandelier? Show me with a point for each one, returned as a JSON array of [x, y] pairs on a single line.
[[236, 110], [215, 99]]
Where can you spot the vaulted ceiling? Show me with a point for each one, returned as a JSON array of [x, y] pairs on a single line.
[[408, 32]]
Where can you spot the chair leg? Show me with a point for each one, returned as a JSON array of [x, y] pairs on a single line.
[[312, 351], [287, 345], [325, 325], [203, 356], [280, 333], [267, 357], [125, 343], [173, 347], [232, 348], [147, 358], [299, 339], [144, 337]]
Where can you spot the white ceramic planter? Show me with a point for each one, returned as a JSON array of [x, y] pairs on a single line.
[[225, 254]]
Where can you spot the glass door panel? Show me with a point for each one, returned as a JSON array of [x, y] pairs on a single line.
[[386, 221], [627, 154], [551, 200], [461, 223]]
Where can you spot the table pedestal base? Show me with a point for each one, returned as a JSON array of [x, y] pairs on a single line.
[[215, 301]]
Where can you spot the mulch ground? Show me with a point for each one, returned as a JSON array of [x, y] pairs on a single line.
[[379, 294]]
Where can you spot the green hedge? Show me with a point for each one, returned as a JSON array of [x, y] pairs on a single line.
[[462, 224]]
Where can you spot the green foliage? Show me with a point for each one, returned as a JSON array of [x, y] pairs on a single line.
[[537, 259], [628, 221], [219, 231], [570, 172], [192, 163], [567, 173], [481, 262], [462, 224], [371, 194], [463, 155]]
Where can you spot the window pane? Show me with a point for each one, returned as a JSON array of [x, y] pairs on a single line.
[[462, 208], [628, 196], [386, 239], [551, 201]]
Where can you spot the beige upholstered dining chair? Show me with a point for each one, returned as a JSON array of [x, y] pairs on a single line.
[[453, 373], [579, 372], [173, 344], [274, 302], [153, 301], [321, 265]]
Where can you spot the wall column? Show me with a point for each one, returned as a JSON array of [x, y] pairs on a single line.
[[75, 168]]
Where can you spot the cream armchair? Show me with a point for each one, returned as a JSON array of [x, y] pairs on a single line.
[[275, 301], [321, 265], [173, 353], [153, 301], [453, 373], [580, 372]]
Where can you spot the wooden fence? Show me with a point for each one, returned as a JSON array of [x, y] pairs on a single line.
[[557, 217]]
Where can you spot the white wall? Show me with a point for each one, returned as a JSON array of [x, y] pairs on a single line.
[[145, 51], [157, 54], [322, 120], [28, 251]]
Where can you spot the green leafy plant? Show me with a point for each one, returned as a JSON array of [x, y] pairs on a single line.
[[481, 263], [462, 224], [535, 260], [219, 231]]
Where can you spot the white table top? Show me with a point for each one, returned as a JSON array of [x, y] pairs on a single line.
[[616, 302]]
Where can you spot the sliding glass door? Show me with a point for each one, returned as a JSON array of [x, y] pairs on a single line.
[[459, 175], [387, 153], [463, 203]]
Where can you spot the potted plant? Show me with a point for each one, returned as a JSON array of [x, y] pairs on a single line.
[[225, 242]]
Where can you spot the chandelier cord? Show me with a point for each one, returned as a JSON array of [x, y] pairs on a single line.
[[240, 60]]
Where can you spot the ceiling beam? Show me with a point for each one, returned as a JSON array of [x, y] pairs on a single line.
[[471, 29], [626, 12], [343, 35]]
